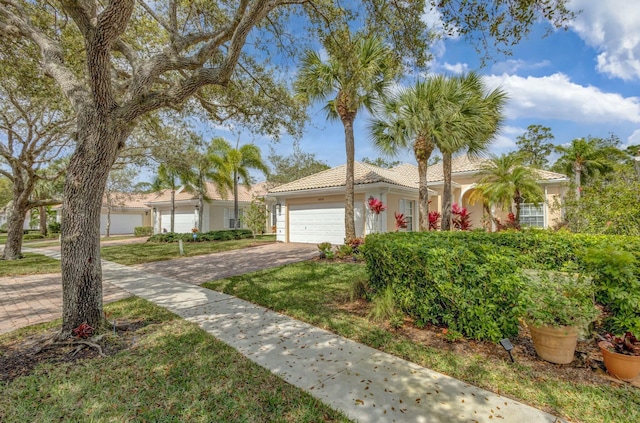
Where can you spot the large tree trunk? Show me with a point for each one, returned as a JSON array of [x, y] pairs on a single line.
[[445, 225], [42, 211], [422, 150], [107, 226], [173, 208], [200, 210], [349, 202], [577, 179], [236, 211], [99, 141], [15, 221]]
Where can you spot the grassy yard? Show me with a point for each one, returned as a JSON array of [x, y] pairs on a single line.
[[169, 370], [318, 293], [31, 264], [129, 254]]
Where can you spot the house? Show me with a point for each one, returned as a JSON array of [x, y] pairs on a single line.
[[217, 210], [311, 209]]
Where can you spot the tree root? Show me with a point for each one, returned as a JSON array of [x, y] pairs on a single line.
[[81, 343]]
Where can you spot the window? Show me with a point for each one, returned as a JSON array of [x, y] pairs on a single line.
[[228, 218], [532, 215], [406, 208], [274, 215]]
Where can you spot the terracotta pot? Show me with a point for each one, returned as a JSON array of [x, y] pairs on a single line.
[[555, 344], [622, 366]]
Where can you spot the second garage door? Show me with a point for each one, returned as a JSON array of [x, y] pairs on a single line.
[[316, 223]]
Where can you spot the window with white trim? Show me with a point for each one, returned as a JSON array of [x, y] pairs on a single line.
[[406, 207], [228, 217], [532, 215]]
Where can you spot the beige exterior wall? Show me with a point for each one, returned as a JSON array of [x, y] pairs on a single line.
[[393, 207], [554, 194]]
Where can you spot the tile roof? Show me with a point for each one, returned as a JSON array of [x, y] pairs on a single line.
[[184, 194], [405, 175]]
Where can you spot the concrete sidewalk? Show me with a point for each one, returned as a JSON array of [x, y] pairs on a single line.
[[364, 383]]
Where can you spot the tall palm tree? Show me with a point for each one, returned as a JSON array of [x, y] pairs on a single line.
[[238, 161], [472, 117], [358, 70], [586, 157], [504, 181], [168, 177]]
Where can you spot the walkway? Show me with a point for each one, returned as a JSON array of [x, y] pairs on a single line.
[[364, 383]]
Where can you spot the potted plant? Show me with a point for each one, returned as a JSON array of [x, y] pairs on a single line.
[[556, 307], [621, 355]]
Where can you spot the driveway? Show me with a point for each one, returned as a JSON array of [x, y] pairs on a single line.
[[27, 300], [200, 269]]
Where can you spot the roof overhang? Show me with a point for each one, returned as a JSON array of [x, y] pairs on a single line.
[[358, 189]]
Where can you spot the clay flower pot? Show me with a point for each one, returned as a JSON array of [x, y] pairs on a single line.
[[622, 366], [555, 344]]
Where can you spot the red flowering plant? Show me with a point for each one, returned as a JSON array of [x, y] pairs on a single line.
[[461, 218], [401, 221], [376, 205], [434, 216]]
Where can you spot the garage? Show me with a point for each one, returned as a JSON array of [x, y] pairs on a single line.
[[183, 222], [316, 223], [121, 223]]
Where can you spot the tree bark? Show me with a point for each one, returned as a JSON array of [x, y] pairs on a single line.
[[577, 178], [99, 141], [422, 150], [349, 213], [173, 208], [42, 212], [236, 211], [445, 224], [15, 221]]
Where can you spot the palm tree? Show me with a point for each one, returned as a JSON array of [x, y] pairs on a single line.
[[359, 70], [472, 118], [587, 157], [168, 177], [237, 162], [504, 181]]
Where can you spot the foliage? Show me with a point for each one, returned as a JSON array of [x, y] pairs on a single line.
[[461, 218], [376, 205], [626, 344], [293, 167], [222, 235], [32, 236], [434, 217], [143, 230], [616, 274], [344, 251], [383, 305], [381, 162], [557, 299], [401, 221], [255, 216], [6, 190], [534, 146], [54, 227], [466, 286], [83, 331], [325, 250]]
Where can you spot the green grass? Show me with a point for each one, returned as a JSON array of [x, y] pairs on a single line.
[[130, 254], [31, 264], [314, 291], [175, 372]]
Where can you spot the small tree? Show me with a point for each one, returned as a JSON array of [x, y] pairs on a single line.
[[255, 217], [534, 146]]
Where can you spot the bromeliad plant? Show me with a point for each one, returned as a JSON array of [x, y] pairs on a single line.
[[461, 218], [401, 221], [375, 205], [434, 217]]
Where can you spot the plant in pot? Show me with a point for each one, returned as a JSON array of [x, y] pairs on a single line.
[[621, 355], [556, 307]]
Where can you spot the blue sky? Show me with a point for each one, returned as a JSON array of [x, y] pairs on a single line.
[[579, 82]]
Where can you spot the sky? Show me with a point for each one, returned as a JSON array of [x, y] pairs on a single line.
[[583, 81]]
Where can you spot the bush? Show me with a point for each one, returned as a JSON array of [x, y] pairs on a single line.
[[469, 287], [143, 230], [33, 236], [3, 228], [54, 227], [223, 235]]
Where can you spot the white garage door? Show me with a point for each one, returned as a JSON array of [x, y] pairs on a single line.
[[316, 223], [183, 222], [120, 223]]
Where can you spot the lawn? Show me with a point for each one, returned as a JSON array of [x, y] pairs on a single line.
[[319, 293], [167, 370], [129, 254], [31, 264]]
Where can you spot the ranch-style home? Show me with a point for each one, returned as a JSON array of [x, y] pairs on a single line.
[[311, 209]]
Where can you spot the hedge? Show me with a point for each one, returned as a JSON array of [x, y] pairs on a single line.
[[224, 235], [612, 261], [143, 230], [469, 287]]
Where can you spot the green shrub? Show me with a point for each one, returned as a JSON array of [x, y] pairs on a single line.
[[54, 227], [143, 230], [469, 287], [223, 235], [383, 305], [33, 236]]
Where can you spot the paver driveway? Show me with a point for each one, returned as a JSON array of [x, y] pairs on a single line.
[[27, 300]]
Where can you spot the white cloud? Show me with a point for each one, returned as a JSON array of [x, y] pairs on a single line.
[[611, 27], [634, 139], [458, 68], [505, 140], [556, 97], [513, 66]]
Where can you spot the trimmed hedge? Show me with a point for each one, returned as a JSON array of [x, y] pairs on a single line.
[[471, 288], [612, 261], [224, 235], [143, 230]]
